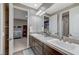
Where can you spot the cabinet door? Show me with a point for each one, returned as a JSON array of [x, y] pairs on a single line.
[[39, 42], [38, 48], [31, 41], [50, 51]]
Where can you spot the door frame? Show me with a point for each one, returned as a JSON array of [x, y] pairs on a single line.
[[11, 16], [2, 30]]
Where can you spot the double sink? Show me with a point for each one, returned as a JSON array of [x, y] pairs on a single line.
[[55, 41], [70, 47], [58, 42]]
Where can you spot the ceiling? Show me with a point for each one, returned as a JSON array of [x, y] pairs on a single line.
[[57, 6], [50, 7], [33, 5]]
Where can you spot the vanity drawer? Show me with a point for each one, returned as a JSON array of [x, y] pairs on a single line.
[[40, 43], [36, 40], [31, 41], [38, 48]]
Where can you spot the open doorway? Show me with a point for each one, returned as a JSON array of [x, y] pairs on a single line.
[[20, 30], [65, 19]]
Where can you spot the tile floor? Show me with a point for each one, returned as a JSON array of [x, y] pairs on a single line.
[[20, 47], [28, 52], [25, 52], [20, 44]]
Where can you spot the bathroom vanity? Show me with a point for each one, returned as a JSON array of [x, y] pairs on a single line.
[[40, 48], [46, 45]]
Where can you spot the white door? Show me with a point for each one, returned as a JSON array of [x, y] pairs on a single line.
[[11, 21]]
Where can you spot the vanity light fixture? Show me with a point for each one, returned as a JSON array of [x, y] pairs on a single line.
[[35, 5], [42, 13], [38, 12]]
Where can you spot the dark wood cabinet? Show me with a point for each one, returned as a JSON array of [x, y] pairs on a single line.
[[40, 48], [50, 51], [36, 45], [31, 41]]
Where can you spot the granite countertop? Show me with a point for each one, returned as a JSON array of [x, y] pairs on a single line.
[[59, 45]]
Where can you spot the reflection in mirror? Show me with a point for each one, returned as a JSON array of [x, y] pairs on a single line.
[[46, 24], [65, 20]]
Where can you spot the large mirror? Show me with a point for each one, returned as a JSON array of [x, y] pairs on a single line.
[[74, 23], [53, 25]]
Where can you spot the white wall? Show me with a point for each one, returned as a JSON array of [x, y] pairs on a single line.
[[74, 21], [20, 22], [36, 24], [18, 14], [53, 24], [0, 28]]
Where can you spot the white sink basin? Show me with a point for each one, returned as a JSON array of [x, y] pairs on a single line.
[[61, 44]]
